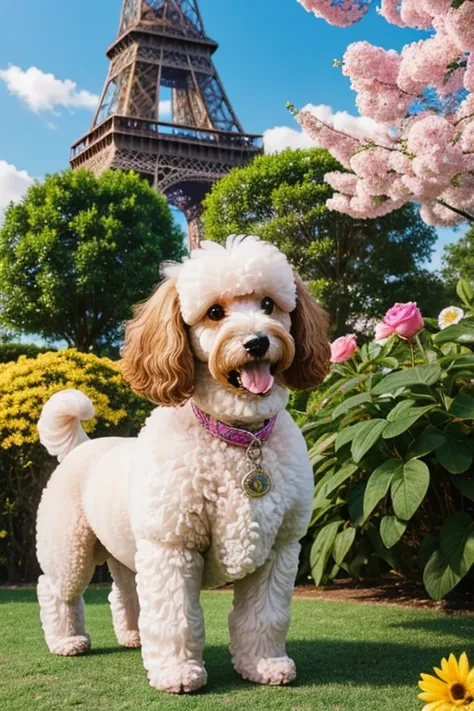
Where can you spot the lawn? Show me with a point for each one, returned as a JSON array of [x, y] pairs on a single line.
[[350, 657]]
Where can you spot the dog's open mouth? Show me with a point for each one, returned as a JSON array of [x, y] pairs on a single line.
[[257, 377]]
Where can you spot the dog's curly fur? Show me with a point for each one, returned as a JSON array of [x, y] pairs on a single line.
[[167, 509]]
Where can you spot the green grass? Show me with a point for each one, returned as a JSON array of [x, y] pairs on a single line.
[[350, 657]]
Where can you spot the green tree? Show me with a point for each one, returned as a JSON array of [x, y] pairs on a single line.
[[355, 268], [78, 251], [458, 259]]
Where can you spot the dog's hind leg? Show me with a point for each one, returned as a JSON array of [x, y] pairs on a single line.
[[66, 548], [124, 604]]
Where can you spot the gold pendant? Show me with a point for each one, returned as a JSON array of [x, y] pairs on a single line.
[[257, 483]]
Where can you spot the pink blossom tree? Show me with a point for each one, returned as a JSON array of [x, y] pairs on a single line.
[[422, 101]]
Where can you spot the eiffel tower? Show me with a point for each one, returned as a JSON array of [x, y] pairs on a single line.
[[163, 111]]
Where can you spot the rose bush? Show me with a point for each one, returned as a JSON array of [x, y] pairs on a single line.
[[391, 439]]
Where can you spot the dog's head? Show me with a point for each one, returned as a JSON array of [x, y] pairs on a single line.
[[240, 312]]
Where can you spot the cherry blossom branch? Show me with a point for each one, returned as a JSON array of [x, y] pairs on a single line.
[[457, 210]]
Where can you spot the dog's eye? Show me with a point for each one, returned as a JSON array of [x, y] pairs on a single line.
[[268, 305], [216, 312]]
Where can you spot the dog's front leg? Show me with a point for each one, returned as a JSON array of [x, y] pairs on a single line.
[[260, 619], [171, 621]]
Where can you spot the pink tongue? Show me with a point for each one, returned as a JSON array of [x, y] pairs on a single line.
[[256, 378]]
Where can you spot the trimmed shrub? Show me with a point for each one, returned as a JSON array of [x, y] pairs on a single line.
[[25, 466], [391, 438]]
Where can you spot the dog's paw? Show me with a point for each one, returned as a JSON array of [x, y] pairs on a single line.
[[179, 678], [130, 639], [275, 671], [71, 646]]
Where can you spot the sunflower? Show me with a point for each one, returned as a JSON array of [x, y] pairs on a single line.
[[453, 691]]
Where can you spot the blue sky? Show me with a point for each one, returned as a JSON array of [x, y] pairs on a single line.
[[271, 51]]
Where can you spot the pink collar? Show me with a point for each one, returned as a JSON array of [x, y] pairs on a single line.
[[233, 435]]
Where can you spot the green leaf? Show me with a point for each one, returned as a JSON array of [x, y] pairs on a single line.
[[379, 484], [426, 374], [322, 498], [356, 503], [352, 383], [322, 444], [398, 410], [348, 434], [454, 456], [366, 437], [405, 420], [463, 406], [409, 487], [342, 544], [464, 291], [321, 549], [391, 530], [350, 403], [427, 442], [457, 542], [465, 484], [340, 477], [459, 362], [438, 577], [388, 362], [428, 546], [392, 557], [448, 565], [324, 465], [454, 333]]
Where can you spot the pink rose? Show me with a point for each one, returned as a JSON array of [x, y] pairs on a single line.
[[383, 331], [404, 319], [343, 348]]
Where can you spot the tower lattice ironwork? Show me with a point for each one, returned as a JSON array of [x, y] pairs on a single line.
[[164, 111]]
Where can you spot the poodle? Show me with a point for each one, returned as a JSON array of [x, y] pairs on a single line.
[[217, 488]]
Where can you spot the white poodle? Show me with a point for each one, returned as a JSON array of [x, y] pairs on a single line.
[[216, 489]]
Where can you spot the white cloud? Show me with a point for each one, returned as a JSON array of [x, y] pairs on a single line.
[[43, 92], [165, 109], [281, 137], [13, 184]]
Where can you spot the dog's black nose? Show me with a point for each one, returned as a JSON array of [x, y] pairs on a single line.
[[258, 346]]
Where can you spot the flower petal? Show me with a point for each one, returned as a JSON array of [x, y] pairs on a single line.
[[442, 674], [463, 667], [453, 667], [437, 706]]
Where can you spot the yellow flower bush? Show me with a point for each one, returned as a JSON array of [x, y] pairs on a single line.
[[25, 466]]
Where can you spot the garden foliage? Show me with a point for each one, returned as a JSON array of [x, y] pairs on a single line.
[[392, 444], [25, 466]]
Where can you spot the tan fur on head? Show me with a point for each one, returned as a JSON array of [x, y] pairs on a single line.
[[229, 355], [309, 328], [157, 359]]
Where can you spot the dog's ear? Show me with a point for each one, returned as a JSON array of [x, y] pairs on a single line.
[[157, 359], [309, 328]]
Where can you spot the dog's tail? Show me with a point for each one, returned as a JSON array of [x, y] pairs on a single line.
[[59, 426]]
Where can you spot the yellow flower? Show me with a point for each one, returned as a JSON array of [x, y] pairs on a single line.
[[453, 691], [3, 533]]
